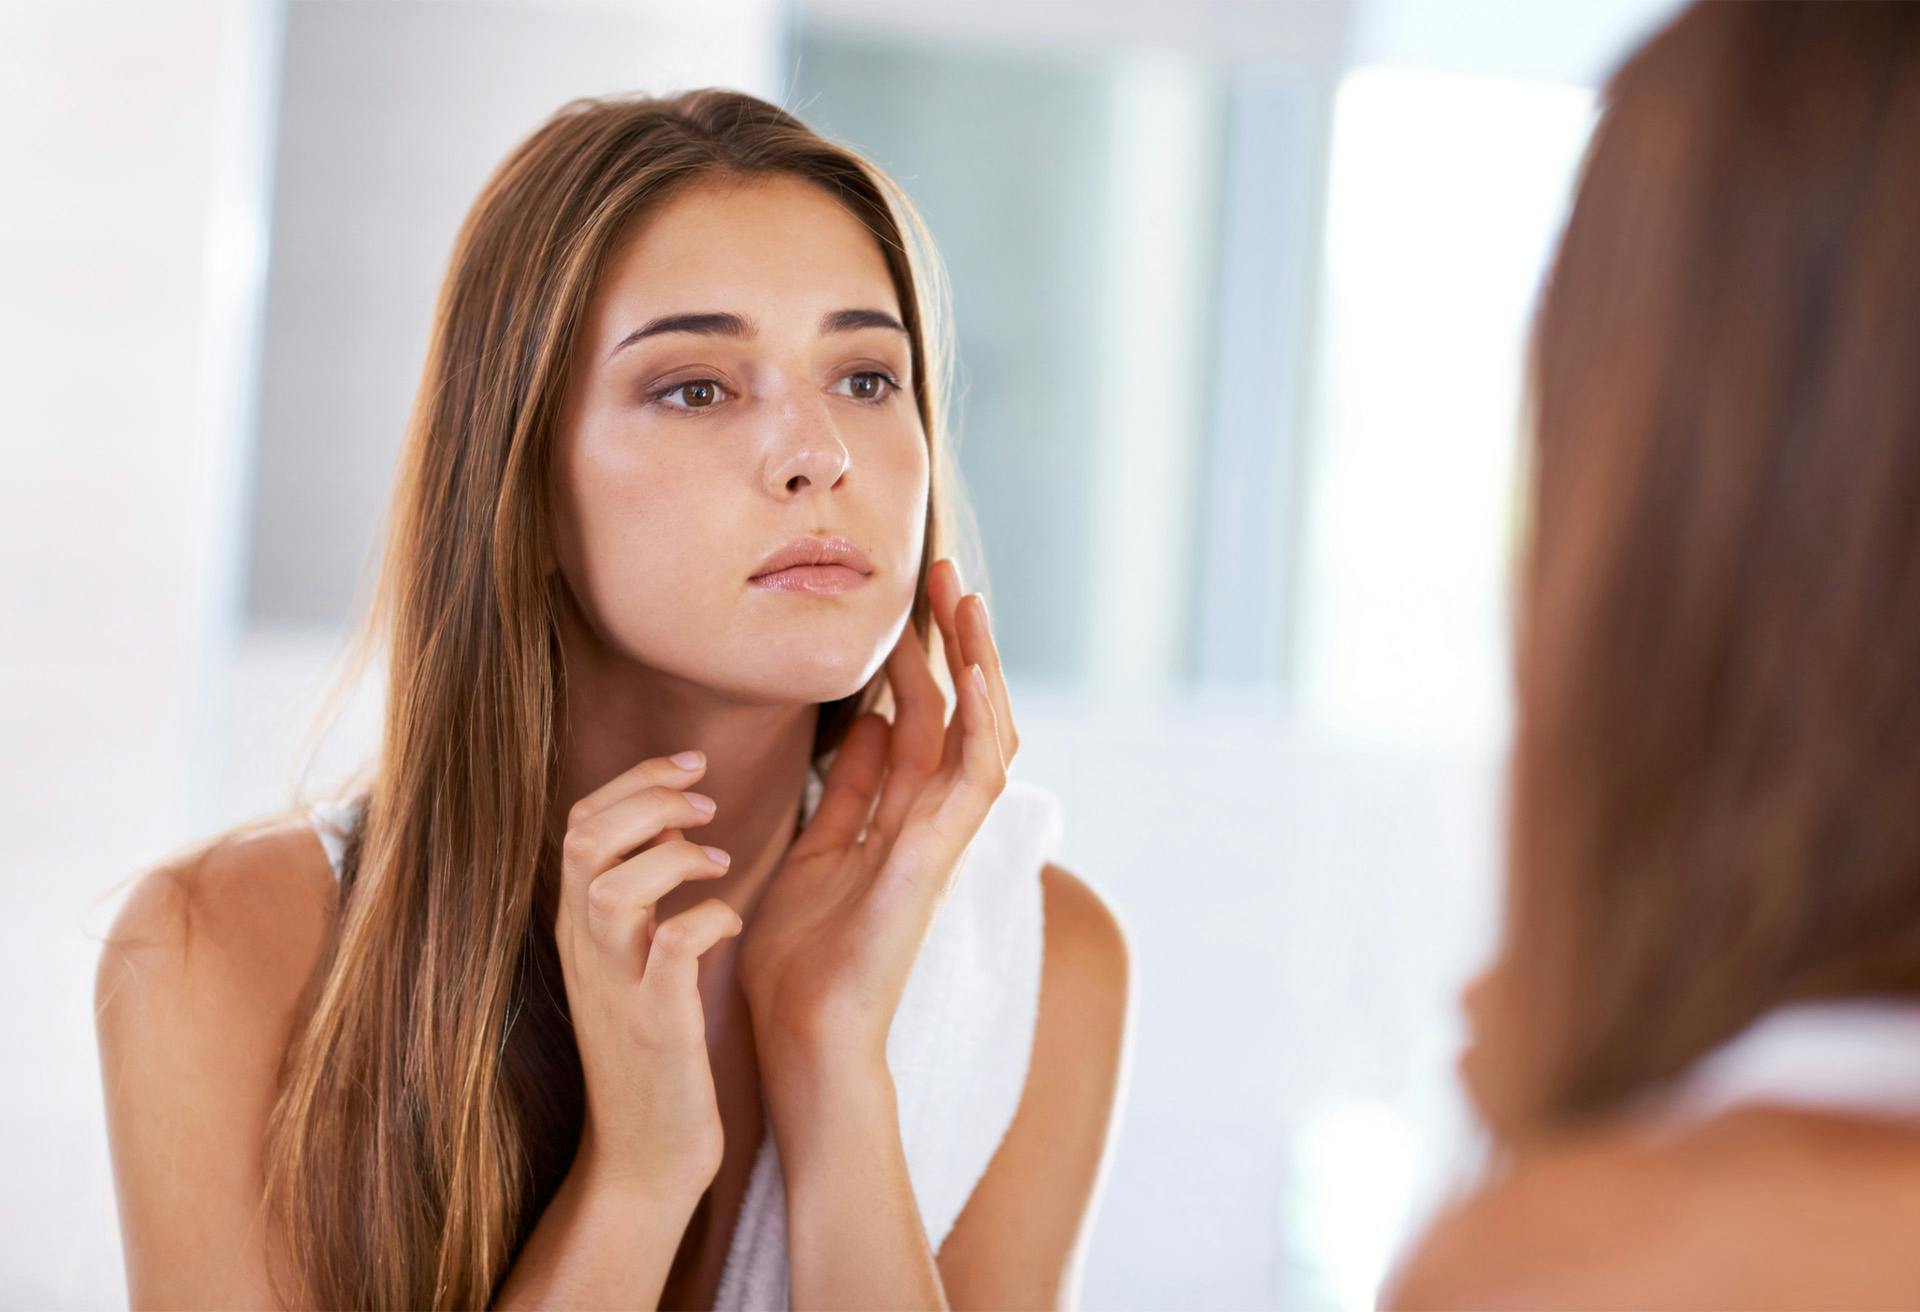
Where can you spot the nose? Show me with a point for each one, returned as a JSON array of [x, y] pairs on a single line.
[[807, 452]]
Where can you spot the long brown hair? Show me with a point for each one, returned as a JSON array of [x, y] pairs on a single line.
[[1715, 794], [433, 1101]]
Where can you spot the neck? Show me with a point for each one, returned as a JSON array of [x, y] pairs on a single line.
[[620, 713]]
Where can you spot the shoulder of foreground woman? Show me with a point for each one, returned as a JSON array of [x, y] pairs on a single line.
[[1593, 1222], [1757, 1206]]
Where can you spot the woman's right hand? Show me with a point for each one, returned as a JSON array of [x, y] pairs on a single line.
[[652, 1119]]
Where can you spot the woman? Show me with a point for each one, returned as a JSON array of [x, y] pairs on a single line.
[[1699, 1051], [525, 1020]]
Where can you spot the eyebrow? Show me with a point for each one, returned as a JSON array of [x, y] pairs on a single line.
[[710, 324], [847, 321], [717, 323]]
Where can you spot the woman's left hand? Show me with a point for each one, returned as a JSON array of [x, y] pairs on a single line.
[[825, 956]]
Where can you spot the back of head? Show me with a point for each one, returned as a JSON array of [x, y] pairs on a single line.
[[1716, 773]]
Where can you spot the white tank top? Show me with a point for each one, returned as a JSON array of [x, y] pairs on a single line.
[[958, 1047], [1853, 1055]]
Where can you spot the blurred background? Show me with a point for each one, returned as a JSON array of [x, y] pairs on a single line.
[[1241, 289]]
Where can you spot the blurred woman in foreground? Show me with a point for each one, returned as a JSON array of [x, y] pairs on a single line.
[[1699, 1051]]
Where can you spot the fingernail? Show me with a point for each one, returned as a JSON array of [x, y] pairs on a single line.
[[979, 679], [701, 802], [688, 760], [717, 855]]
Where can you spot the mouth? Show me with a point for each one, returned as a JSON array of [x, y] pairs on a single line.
[[818, 564], [819, 580]]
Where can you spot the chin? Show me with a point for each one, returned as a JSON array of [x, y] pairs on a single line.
[[812, 672]]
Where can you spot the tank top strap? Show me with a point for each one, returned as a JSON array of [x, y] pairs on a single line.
[[333, 819]]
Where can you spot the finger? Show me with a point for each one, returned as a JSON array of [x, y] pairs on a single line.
[[983, 771], [915, 745], [619, 899], [966, 796], [987, 657], [673, 958], [617, 829], [919, 707], [967, 637], [652, 772], [983, 763], [950, 607], [944, 591], [853, 781], [922, 717]]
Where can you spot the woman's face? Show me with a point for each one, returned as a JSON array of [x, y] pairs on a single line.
[[742, 380]]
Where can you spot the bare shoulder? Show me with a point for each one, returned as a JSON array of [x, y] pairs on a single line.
[[1086, 996], [1756, 1208], [204, 974], [1545, 1230], [252, 907], [1085, 938], [1078, 1069]]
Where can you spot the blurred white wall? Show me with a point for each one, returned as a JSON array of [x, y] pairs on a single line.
[[1301, 911], [1574, 43], [131, 139]]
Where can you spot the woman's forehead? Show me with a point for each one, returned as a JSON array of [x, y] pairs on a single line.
[[777, 250]]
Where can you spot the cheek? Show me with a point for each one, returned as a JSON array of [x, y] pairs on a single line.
[[644, 528], [904, 475]]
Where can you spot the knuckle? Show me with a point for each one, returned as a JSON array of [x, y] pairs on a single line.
[[990, 779], [577, 815], [577, 849], [723, 913], [603, 898], [670, 937]]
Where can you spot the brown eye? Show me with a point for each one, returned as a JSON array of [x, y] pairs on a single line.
[[868, 385], [695, 394]]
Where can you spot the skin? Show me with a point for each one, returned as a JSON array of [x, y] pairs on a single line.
[[1756, 1207], [666, 506]]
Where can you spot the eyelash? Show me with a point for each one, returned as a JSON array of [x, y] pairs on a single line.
[[660, 395]]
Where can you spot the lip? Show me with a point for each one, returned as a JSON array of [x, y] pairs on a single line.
[[820, 580], [834, 556]]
